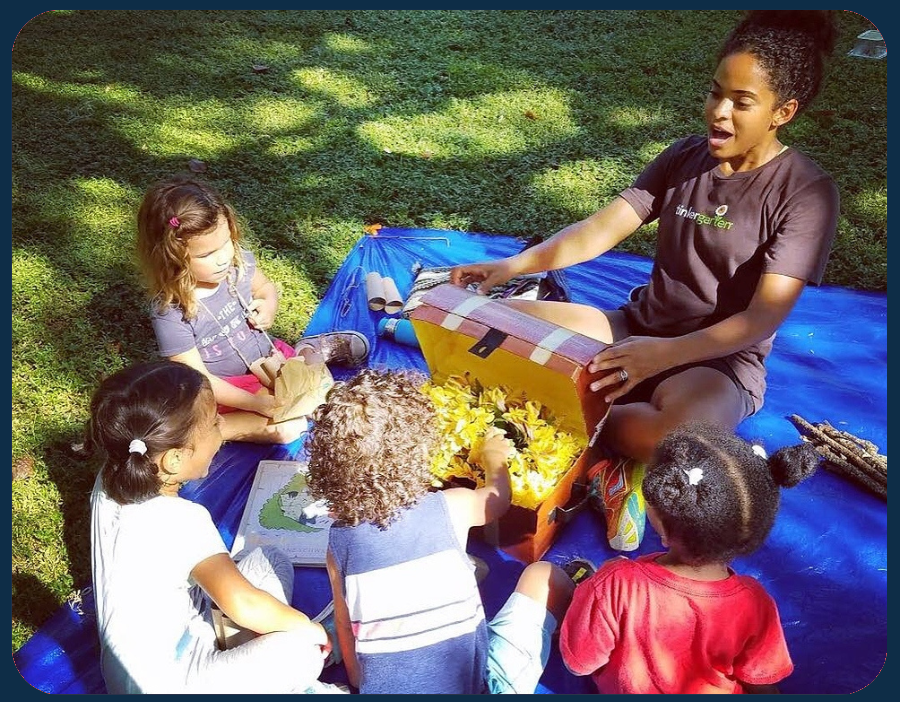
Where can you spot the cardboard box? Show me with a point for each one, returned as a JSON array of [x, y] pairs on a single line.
[[464, 333]]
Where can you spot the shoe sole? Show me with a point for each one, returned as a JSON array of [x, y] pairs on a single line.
[[351, 332]]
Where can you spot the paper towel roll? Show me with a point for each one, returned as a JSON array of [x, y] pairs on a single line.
[[393, 303], [375, 291]]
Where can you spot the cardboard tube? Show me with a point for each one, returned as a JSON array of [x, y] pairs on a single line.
[[375, 291], [393, 303]]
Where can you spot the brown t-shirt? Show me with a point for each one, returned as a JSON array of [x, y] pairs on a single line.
[[718, 234]]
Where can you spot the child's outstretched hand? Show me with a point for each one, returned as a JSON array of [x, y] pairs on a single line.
[[494, 450]]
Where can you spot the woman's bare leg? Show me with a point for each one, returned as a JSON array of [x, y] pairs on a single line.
[[634, 430], [697, 394], [606, 326]]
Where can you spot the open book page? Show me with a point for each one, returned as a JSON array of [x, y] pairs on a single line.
[[281, 513]]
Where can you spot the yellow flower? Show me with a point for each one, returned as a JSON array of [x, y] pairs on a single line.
[[465, 412]]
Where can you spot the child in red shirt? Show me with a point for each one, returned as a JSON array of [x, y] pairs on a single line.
[[683, 621]]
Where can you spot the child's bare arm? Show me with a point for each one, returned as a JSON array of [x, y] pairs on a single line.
[[342, 627], [482, 506], [225, 393], [264, 305], [250, 607]]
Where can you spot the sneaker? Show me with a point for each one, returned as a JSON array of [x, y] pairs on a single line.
[[618, 483], [579, 569], [341, 348]]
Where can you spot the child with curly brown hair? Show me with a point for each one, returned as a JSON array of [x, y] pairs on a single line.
[[683, 621], [408, 613]]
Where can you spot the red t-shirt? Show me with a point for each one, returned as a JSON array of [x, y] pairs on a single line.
[[637, 627]]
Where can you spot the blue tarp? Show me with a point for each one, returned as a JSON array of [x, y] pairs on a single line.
[[825, 562]]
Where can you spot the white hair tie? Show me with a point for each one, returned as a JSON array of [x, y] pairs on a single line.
[[760, 451], [695, 475], [137, 446]]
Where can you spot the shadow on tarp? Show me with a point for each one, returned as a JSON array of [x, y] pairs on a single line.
[[825, 562]]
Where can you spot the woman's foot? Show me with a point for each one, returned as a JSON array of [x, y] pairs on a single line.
[[341, 348]]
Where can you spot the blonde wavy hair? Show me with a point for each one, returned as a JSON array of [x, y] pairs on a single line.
[[371, 446], [171, 214]]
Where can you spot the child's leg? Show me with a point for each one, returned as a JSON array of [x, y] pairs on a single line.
[[280, 662], [255, 428], [268, 569], [521, 633], [277, 663]]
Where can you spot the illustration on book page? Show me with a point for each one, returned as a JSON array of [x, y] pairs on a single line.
[[281, 513]]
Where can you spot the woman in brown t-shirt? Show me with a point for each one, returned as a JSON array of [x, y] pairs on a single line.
[[744, 223]]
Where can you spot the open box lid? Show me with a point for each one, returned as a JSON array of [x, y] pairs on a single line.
[[462, 333]]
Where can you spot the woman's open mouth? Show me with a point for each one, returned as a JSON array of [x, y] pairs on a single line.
[[718, 137]]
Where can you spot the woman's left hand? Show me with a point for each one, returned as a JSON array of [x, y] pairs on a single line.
[[261, 313], [631, 361]]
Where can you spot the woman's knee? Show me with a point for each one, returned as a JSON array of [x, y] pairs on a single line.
[[698, 394]]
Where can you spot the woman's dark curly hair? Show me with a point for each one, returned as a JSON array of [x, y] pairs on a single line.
[[731, 508], [155, 402], [791, 45], [371, 445]]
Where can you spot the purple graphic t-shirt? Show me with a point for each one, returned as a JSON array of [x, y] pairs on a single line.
[[219, 331]]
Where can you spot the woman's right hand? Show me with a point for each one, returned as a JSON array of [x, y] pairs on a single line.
[[488, 274]]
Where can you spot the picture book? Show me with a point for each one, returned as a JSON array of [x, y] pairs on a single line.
[[281, 513]]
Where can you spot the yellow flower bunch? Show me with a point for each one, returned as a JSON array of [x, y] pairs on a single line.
[[543, 454]]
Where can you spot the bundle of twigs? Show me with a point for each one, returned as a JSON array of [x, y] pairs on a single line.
[[846, 454]]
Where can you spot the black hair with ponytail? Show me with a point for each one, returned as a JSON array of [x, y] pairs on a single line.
[[716, 494], [138, 414]]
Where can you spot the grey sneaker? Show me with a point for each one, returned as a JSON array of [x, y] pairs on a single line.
[[341, 348]]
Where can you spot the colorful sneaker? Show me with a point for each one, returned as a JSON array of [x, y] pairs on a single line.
[[341, 348], [579, 569], [618, 482]]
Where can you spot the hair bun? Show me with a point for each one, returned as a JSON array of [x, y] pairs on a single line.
[[792, 465], [818, 24]]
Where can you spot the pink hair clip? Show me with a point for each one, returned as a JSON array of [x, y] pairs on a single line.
[[174, 222]]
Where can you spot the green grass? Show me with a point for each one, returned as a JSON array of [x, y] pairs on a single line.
[[501, 122]]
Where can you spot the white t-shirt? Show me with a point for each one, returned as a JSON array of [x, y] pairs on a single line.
[[148, 607]]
